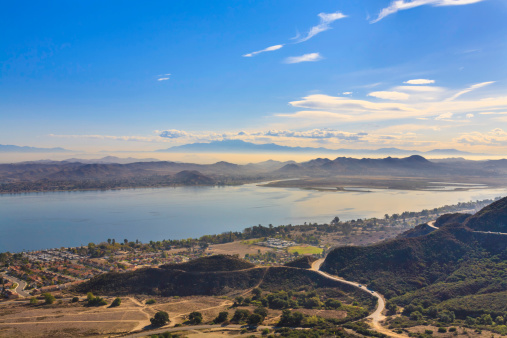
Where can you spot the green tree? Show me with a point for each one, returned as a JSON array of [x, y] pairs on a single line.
[[33, 301], [255, 319], [195, 317], [161, 318], [222, 317]]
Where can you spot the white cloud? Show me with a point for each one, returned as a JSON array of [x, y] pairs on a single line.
[[400, 5], [268, 49], [347, 93], [425, 102], [419, 81], [494, 113], [316, 134], [496, 137], [326, 102], [469, 89], [388, 95], [173, 133], [311, 57], [163, 79], [326, 19], [469, 116], [444, 116]]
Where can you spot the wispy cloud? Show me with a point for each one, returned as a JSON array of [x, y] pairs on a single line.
[[326, 19], [164, 77], [425, 102], [469, 89], [444, 116], [419, 81], [311, 57], [496, 136], [388, 95], [268, 49], [401, 5]]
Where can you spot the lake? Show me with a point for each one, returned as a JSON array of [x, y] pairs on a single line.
[[46, 220]]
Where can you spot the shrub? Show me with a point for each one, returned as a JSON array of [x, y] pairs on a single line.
[[452, 329], [333, 303], [150, 301], [33, 301], [428, 332], [48, 298], [75, 299], [222, 317], [195, 317], [265, 332], [442, 330], [161, 318], [116, 302], [255, 319], [240, 316]]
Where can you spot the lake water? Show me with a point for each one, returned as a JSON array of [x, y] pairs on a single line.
[[46, 220]]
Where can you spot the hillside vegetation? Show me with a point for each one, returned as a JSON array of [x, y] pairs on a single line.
[[212, 263], [454, 268]]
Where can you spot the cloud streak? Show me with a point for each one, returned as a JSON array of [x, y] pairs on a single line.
[[401, 5], [326, 19], [268, 49], [419, 81], [469, 89], [311, 57]]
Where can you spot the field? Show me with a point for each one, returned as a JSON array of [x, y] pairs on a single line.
[[305, 250]]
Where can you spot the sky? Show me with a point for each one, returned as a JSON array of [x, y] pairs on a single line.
[[139, 76]]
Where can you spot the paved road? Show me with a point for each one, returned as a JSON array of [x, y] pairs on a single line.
[[21, 285], [376, 316], [431, 224]]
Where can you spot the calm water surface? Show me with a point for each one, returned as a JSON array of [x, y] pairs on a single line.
[[46, 220]]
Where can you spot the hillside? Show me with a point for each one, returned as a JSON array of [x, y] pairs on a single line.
[[492, 218], [214, 275], [209, 264], [447, 267]]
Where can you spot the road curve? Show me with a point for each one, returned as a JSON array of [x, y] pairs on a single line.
[[377, 316], [21, 285]]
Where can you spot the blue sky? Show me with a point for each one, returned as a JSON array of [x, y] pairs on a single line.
[[126, 75]]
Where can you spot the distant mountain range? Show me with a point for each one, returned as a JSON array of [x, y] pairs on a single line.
[[238, 146], [18, 149]]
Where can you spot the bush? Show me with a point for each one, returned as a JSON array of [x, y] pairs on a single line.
[[195, 317], [442, 330], [150, 301], [265, 332], [255, 319], [95, 301], [33, 301], [161, 318], [452, 329], [428, 332], [222, 317], [333, 303], [48, 298], [75, 299], [116, 302], [240, 316]]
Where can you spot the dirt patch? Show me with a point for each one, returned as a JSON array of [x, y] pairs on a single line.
[[236, 248]]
